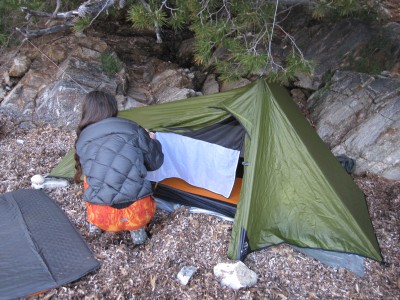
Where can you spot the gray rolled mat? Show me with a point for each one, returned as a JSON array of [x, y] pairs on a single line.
[[39, 247]]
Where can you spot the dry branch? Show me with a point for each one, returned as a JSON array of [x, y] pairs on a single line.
[[88, 8], [45, 31], [55, 15]]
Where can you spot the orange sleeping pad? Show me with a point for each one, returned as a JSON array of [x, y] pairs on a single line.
[[186, 187]]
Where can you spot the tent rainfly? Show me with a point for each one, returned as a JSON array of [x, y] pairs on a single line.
[[287, 186]]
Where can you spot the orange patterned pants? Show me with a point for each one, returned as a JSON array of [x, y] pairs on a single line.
[[133, 217]]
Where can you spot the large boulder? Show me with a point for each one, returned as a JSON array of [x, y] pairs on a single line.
[[59, 104], [21, 99], [51, 89], [171, 84], [359, 115]]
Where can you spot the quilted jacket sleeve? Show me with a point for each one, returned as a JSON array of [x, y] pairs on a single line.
[[152, 150]]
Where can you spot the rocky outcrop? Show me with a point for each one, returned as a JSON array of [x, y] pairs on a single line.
[[359, 115], [54, 83], [348, 45], [152, 79], [327, 47], [354, 113], [54, 80]]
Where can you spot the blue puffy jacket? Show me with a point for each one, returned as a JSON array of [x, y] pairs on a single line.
[[115, 155]]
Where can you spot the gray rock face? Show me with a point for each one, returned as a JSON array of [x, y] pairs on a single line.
[[171, 84], [359, 115], [345, 45], [51, 93], [327, 46], [59, 105]]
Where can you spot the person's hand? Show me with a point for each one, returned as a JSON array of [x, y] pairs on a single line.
[[151, 134]]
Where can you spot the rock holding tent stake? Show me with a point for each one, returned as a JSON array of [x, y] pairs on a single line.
[[37, 181]]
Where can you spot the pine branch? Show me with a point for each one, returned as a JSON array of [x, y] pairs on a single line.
[[156, 25]]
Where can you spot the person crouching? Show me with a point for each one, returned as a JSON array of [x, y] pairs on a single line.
[[112, 156]]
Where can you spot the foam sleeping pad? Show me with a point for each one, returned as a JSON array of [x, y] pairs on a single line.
[[39, 247]]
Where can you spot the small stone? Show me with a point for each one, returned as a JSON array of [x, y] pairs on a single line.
[[186, 273]]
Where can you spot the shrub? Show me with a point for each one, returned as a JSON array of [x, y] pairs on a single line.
[[110, 64]]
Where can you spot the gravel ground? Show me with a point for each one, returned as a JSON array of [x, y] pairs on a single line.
[[180, 238]]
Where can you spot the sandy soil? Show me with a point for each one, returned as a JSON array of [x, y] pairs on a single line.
[[180, 238]]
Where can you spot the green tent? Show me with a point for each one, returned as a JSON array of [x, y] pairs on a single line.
[[293, 188]]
